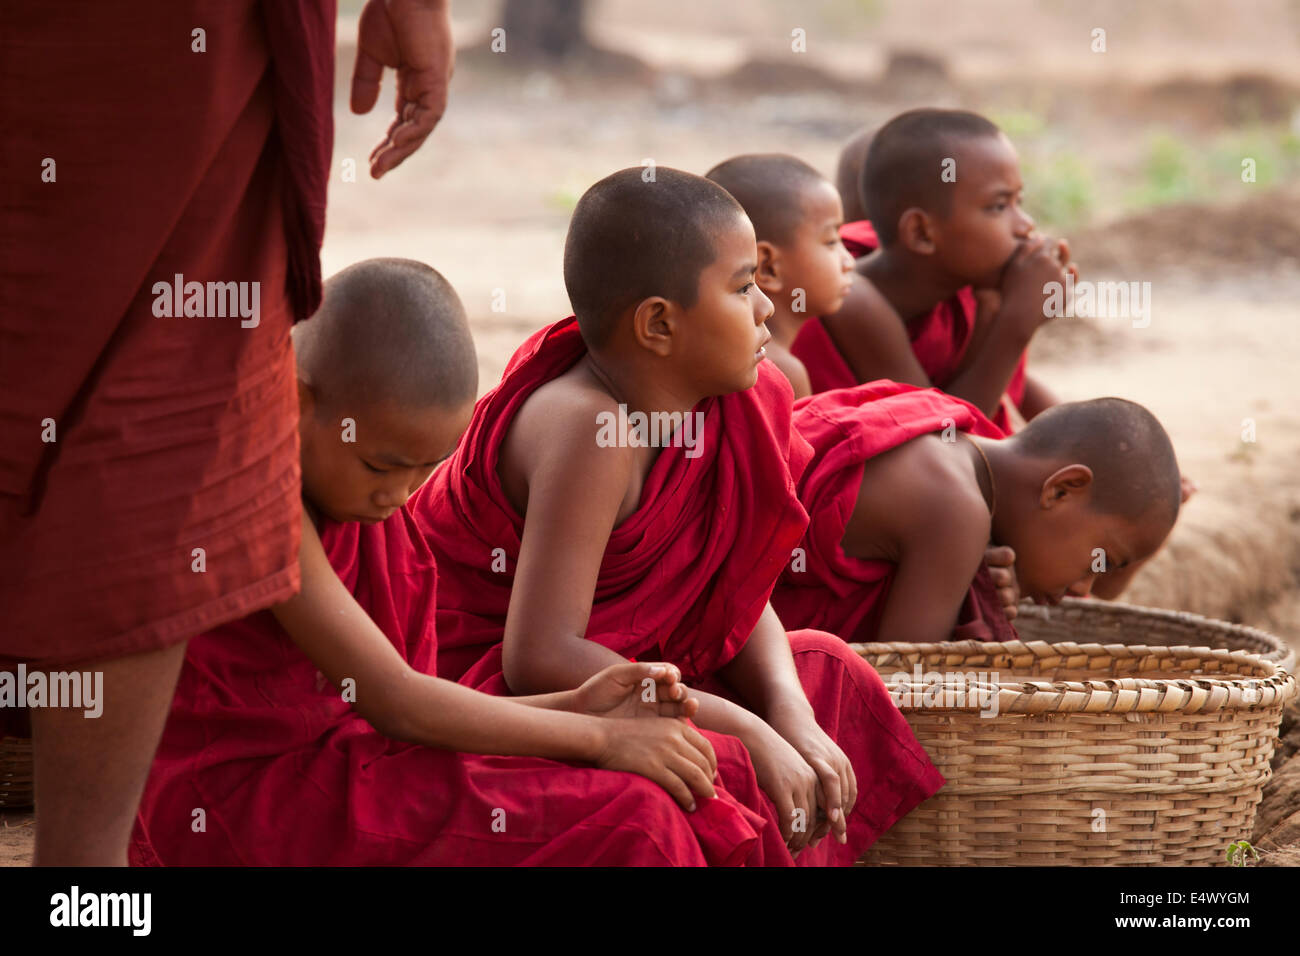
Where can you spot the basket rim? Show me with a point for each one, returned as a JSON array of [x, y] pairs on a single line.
[[1273, 688], [1102, 608]]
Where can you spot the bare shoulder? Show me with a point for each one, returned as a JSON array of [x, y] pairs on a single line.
[[792, 368], [918, 493], [565, 409], [863, 308], [872, 337], [554, 434]]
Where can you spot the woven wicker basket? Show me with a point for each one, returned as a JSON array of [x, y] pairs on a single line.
[[1108, 622], [15, 773], [1093, 754]]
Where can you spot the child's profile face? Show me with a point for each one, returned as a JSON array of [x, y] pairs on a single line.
[[1064, 550], [362, 463], [724, 333], [815, 260], [985, 223]]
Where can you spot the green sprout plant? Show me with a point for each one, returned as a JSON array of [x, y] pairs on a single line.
[[1239, 851]]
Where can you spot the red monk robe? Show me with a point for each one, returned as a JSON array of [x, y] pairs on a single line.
[[684, 578], [130, 439], [836, 592], [287, 774], [939, 340]]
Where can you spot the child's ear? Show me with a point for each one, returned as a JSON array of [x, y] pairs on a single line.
[[768, 275], [654, 322], [914, 231], [1064, 484]]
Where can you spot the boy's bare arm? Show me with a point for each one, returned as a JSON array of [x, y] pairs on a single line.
[[764, 675], [564, 541], [575, 490], [337, 635], [934, 528], [872, 337], [996, 348], [1038, 397]]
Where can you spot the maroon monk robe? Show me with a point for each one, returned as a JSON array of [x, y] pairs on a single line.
[[287, 774], [833, 591], [684, 578], [148, 463], [939, 339]]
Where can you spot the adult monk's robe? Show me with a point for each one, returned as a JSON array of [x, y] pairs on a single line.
[[939, 339], [684, 578], [285, 772], [833, 591], [149, 482]]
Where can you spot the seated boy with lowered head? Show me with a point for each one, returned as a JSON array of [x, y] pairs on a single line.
[[908, 488]]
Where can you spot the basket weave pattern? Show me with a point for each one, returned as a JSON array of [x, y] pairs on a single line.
[[15, 773], [1097, 754]]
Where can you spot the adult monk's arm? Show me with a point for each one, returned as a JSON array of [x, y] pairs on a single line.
[[334, 631], [414, 38], [871, 336]]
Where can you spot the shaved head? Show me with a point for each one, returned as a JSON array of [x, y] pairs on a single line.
[[905, 162], [388, 331], [848, 173], [770, 187], [1135, 472], [630, 240]]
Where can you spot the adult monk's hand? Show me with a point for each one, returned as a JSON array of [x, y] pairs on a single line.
[[414, 38]]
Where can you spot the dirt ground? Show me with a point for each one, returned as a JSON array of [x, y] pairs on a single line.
[[487, 201], [1215, 364]]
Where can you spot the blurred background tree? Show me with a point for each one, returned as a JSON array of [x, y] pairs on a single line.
[[545, 29]]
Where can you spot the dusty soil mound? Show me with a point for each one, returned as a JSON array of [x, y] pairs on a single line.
[[1216, 364], [1261, 233], [1277, 821]]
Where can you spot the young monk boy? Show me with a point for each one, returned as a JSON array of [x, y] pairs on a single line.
[[848, 173], [950, 288], [564, 548], [942, 189], [316, 733], [803, 268], [802, 264], [908, 486]]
